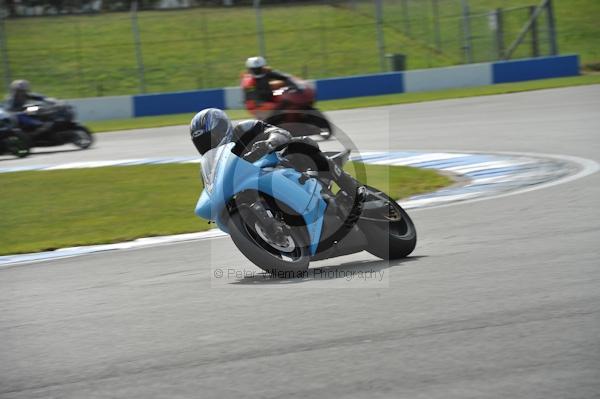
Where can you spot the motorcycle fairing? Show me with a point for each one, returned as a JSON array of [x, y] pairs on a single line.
[[236, 175]]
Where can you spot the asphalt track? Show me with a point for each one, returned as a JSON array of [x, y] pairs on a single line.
[[501, 298]]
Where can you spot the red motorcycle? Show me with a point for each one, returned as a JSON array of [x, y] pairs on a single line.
[[291, 109]]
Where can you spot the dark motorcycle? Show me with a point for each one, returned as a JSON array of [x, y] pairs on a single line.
[[59, 125], [12, 140]]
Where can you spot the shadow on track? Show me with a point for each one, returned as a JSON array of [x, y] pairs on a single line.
[[341, 271], [38, 153]]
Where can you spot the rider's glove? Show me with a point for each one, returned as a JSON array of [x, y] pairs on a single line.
[[263, 146], [258, 150]]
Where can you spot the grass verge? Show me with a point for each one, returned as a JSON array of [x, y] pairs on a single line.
[[95, 55], [359, 102], [62, 208]]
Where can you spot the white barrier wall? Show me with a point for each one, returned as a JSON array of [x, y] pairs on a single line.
[[101, 108], [449, 77], [234, 98]]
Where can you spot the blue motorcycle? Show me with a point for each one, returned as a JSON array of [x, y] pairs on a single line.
[[287, 207]]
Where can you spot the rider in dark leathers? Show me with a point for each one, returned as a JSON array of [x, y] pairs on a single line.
[[211, 126], [20, 94]]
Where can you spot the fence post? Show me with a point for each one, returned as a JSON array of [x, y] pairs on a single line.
[[323, 43], [260, 33], [466, 31], [551, 27], [499, 33], [4, 50], [380, 38], [80, 78], [138, 45], [535, 49], [525, 29], [437, 37], [406, 17], [206, 75]]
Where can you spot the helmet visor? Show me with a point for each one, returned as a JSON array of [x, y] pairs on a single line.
[[257, 72], [216, 132]]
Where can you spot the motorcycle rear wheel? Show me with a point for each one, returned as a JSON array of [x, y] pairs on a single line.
[[390, 232], [18, 144], [287, 259]]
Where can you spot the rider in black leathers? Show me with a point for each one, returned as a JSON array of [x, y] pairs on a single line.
[[255, 138], [20, 95]]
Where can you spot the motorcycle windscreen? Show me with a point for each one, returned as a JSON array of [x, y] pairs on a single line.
[[210, 162]]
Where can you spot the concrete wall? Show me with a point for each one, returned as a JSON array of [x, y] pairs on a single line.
[[100, 108], [445, 78], [234, 98], [336, 88]]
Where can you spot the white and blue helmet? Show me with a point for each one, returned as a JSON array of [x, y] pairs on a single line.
[[209, 129]]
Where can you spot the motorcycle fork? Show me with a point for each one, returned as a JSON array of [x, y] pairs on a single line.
[[270, 221]]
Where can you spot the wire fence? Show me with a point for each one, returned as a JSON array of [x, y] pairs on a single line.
[[205, 46]]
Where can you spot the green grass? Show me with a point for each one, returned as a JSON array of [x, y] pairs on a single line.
[[56, 209], [189, 49], [576, 23], [83, 56], [359, 102], [579, 30]]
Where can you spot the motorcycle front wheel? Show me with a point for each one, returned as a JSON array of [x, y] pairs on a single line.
[[285, 255], [82, 137], [390, 232], [317, 118]]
